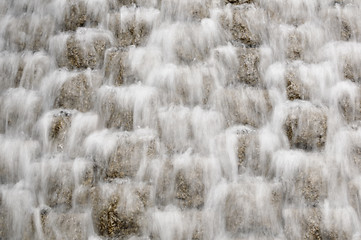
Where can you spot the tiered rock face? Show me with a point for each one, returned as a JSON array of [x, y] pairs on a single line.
[[180, 119]]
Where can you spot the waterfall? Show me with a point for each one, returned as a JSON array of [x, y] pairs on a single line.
[[180, 119]]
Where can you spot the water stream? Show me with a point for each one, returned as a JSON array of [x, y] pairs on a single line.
[[180, 119]]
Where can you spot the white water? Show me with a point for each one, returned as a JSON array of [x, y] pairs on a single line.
[[180, 119]]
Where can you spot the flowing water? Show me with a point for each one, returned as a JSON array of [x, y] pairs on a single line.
[[180, 119]]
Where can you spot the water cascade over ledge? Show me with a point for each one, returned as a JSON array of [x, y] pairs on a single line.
[[180, 119]]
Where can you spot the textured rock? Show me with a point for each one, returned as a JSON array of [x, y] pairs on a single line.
[[132, 30], [64, 181], [350, 108], [304, 223], [311, 185], [60, 188], [124, 161], [351, 71], [75, 15], [58, 129], [239, 28], [295, 89], [346, 30], [28, 32], [84, 49], [116, 67], [118, 213], [72, 225], [248, 71], [239, 1], [116, 116], [19, 109], [295, 46], [190, 187], [77, 58], [247, 106], [244, 212], [306, 128], [76, 93], [248, 150]]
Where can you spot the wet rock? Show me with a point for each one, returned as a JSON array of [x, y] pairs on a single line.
[[131, 26], [247, 106], [164, 184], [354, 193], [124, 161], [59, 127], [11, 66], [239, 27], [19, 109], [117, 213], [62, 183], [356, 154], [248, 71], [29, 32], [32, 69], [71, 225], [248, 150], [76, 55], [190, 187], [245, 212], [239, 1], [16, 33], [120, 107], [350, 108], [60, 189], [116, 116], [23, 70], [303, 223], [312, 187], [85, 49], [23, 151], [76, 93], [351, 71], [120, 3], [186, 10], [338, 223], [295, 46], [116, 66], [75, 15], [306, 127], [346, 31], [40, 30], [295, 89], [16, 217], [3, 223]]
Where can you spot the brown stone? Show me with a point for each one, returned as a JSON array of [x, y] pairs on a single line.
[[306, 128], [75, 16], [240, 29], [76, 93], [112, 216], [190, 187], [295, 89], [248, 71]]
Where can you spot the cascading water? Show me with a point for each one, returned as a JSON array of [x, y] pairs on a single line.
[[180, 119]]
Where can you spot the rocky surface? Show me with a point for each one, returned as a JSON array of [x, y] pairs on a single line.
[[76, 93], [306, 129], [180, 119]]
